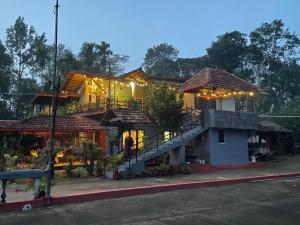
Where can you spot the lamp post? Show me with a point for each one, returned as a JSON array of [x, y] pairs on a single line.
[[55, 87]]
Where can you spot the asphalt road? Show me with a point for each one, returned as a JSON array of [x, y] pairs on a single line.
[[259, 203]]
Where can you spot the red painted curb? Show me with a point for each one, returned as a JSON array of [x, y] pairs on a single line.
[[18, 206], [109, 194]]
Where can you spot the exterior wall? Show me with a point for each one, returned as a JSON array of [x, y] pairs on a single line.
[[189, 100], [233, 151], [230, 120]]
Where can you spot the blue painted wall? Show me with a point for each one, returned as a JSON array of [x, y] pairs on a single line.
[[233, 152]]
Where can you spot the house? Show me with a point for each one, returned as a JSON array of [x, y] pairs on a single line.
[[98, 107]]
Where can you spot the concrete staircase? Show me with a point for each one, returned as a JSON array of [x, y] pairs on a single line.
[[137, 164]]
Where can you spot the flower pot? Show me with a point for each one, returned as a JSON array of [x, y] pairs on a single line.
[[116, 175], [99, 172], [42, 194], [69, 173]]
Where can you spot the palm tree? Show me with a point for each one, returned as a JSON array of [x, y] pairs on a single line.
[[104, 52]]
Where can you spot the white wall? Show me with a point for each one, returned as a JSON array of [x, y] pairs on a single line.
[[189, 100], [228, 104]]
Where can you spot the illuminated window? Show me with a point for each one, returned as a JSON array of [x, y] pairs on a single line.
[[133, 134], [82, 136], [167, 135]]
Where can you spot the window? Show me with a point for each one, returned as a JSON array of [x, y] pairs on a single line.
[[221, 136], [168, 135], [133, 133], [82, 136]]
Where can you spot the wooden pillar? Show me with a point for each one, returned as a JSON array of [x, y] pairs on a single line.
[[115, 84]]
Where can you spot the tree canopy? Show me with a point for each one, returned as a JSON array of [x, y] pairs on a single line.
[[165, 107]]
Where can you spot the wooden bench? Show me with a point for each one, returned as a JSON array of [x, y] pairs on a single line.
[[35, 174]]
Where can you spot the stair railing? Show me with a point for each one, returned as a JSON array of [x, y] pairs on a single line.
[[161, 138]]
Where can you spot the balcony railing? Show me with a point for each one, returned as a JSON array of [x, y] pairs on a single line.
[[113, 104]]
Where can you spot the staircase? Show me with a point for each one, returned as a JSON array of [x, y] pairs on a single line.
[[158, 145]]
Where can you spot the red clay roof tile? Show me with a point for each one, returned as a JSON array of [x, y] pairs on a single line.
[[217, 78]]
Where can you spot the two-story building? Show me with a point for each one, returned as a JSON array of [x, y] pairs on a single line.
[[98, 107]]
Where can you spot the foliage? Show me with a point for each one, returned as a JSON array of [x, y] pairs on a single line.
[[73, 107], [291, 109], [272, 46], [21, 42], [115, 160], [283, 86], [91, 153], [80, 172], [160, 60], [190, 66], [184, 168], [228, 51], [10, 162], [165, 107], [99, 58]]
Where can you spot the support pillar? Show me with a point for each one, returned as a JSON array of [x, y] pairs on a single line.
[[3, 195], [177, 155]]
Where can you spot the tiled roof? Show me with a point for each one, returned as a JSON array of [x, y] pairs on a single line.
[[40, 98], [63, 123], [269, 126], [126, 116], [217, 78]]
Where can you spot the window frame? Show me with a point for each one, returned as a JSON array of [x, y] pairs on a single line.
[[221, 136]]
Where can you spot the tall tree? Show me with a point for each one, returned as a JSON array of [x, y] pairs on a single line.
[[283, 85], [228, 51], [20, 43], [160, 60], [88, 56], [104, 53], [5, 82], [97, 58], [272, 46], [190, 66]]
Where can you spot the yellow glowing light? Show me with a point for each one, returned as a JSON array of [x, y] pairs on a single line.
[[251, 93]]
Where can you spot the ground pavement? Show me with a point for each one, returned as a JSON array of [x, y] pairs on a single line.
[[256, 203], [78, 186]]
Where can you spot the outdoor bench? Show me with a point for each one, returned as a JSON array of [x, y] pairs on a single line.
[[35, 174]]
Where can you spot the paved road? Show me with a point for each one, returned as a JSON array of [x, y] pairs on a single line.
[[259, 203]]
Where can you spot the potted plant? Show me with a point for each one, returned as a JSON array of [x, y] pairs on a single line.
[[80, 172], [10, 162], [68, 168], [42, 192], [185, 168], [99, 169], [115, 161]]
